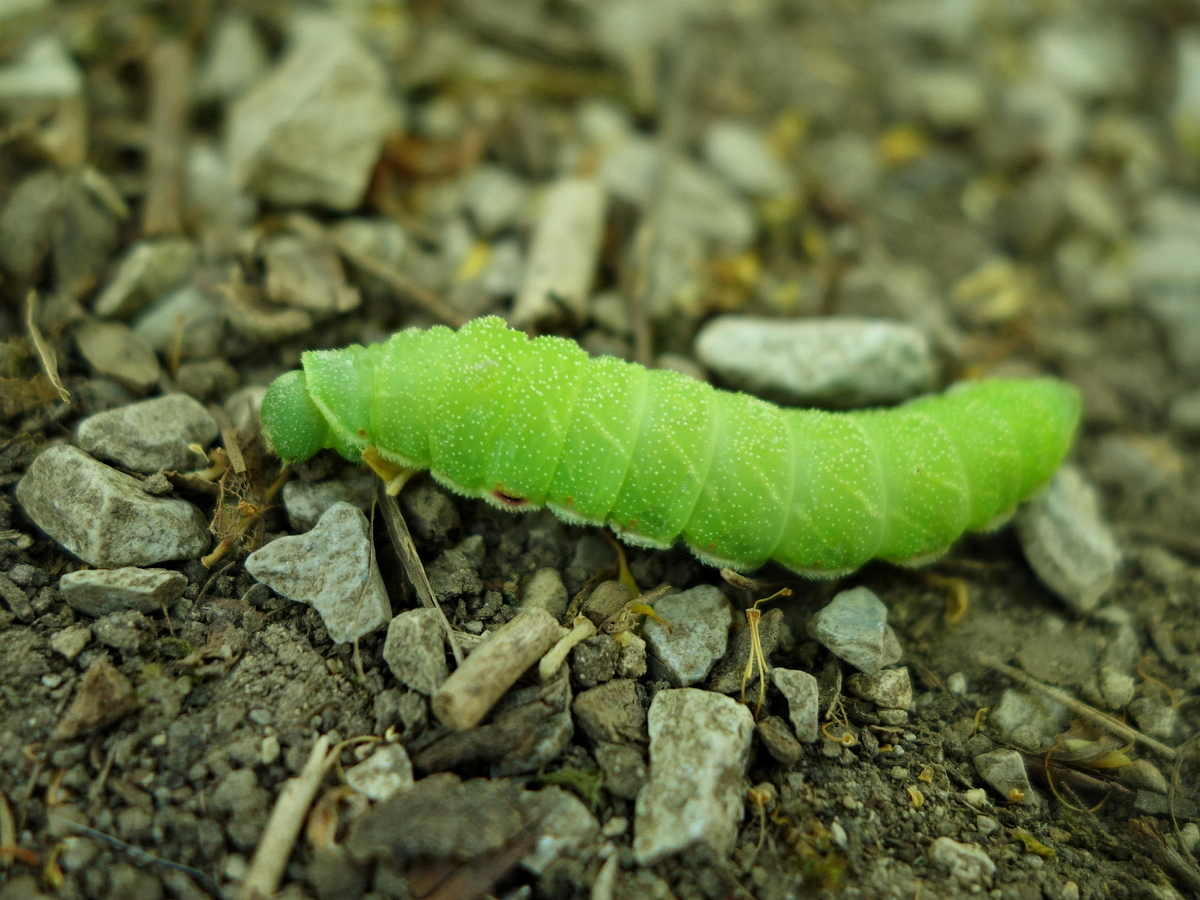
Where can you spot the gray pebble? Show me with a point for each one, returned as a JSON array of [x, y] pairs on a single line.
[[631, 663], [888, 689], [854, 627], [966, 863], [830, 362], [742, 155], [700, 619], [594, 660], [779, 740], [112, 350], [1004, 770], [612, 713], [147, 272], [1185, 414], [331, 568], [103, 516], [699, 749], [70, 641], [1028, 720], [150, 435], [306, 501], [383, 774], [312, 129], [1066, 541], [624, 769], [415, 650], [495, 198], [800, 691], [98, 592], [545, 590]]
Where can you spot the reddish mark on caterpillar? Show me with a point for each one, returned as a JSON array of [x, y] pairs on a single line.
[[568, 501], [512, 501], [362, 433]]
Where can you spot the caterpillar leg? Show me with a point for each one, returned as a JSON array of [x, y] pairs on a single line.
[[394, 476]]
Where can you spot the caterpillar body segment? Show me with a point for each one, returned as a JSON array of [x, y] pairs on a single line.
[[660, 457]]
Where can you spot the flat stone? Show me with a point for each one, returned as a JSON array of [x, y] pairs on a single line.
[[612, 712], [331, 568], [313, 129], [103, 516], [115, 351], [1005, 771], [150, 435], [854, 627], [98, 592], [888, 689], [828, 362], [383, 774], [800, 690], [700, 619], [1067, 542], [415, 650], [967, 863], [147, 272], [699, 750]]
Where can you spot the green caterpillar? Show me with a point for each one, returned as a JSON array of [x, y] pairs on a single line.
[[661, 457]]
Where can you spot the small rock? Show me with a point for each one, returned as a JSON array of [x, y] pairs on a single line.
[[103, 516], [1118, 687], [98, 592], [800, 691], [1143, 775], [70, 641], [383, 774], [828, 362], [1185, 409], [624, 769], [235, 60], [306, 501], [854, 628], [1088, 61], [415, 650], [105, 696], [1185, 111], [700, 619], [495, 198], [150, 435], [889, 688], [631, 663], [1005, 771], [566, 827], [1155, 718], [186, 317], [965, 862], [699, 749], [114, 351], [612, 713], [313, 129], [743, 156], [147, 272], [440, 817], [331, 568], [307, 276], [1067, 543], [779, 740], [1027, 720], [128, 631], [545, 590], [594, 660]]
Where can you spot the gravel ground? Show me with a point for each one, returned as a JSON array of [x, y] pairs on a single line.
[[928, 190]]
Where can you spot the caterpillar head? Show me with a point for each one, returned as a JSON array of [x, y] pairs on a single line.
[[294, 427]]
